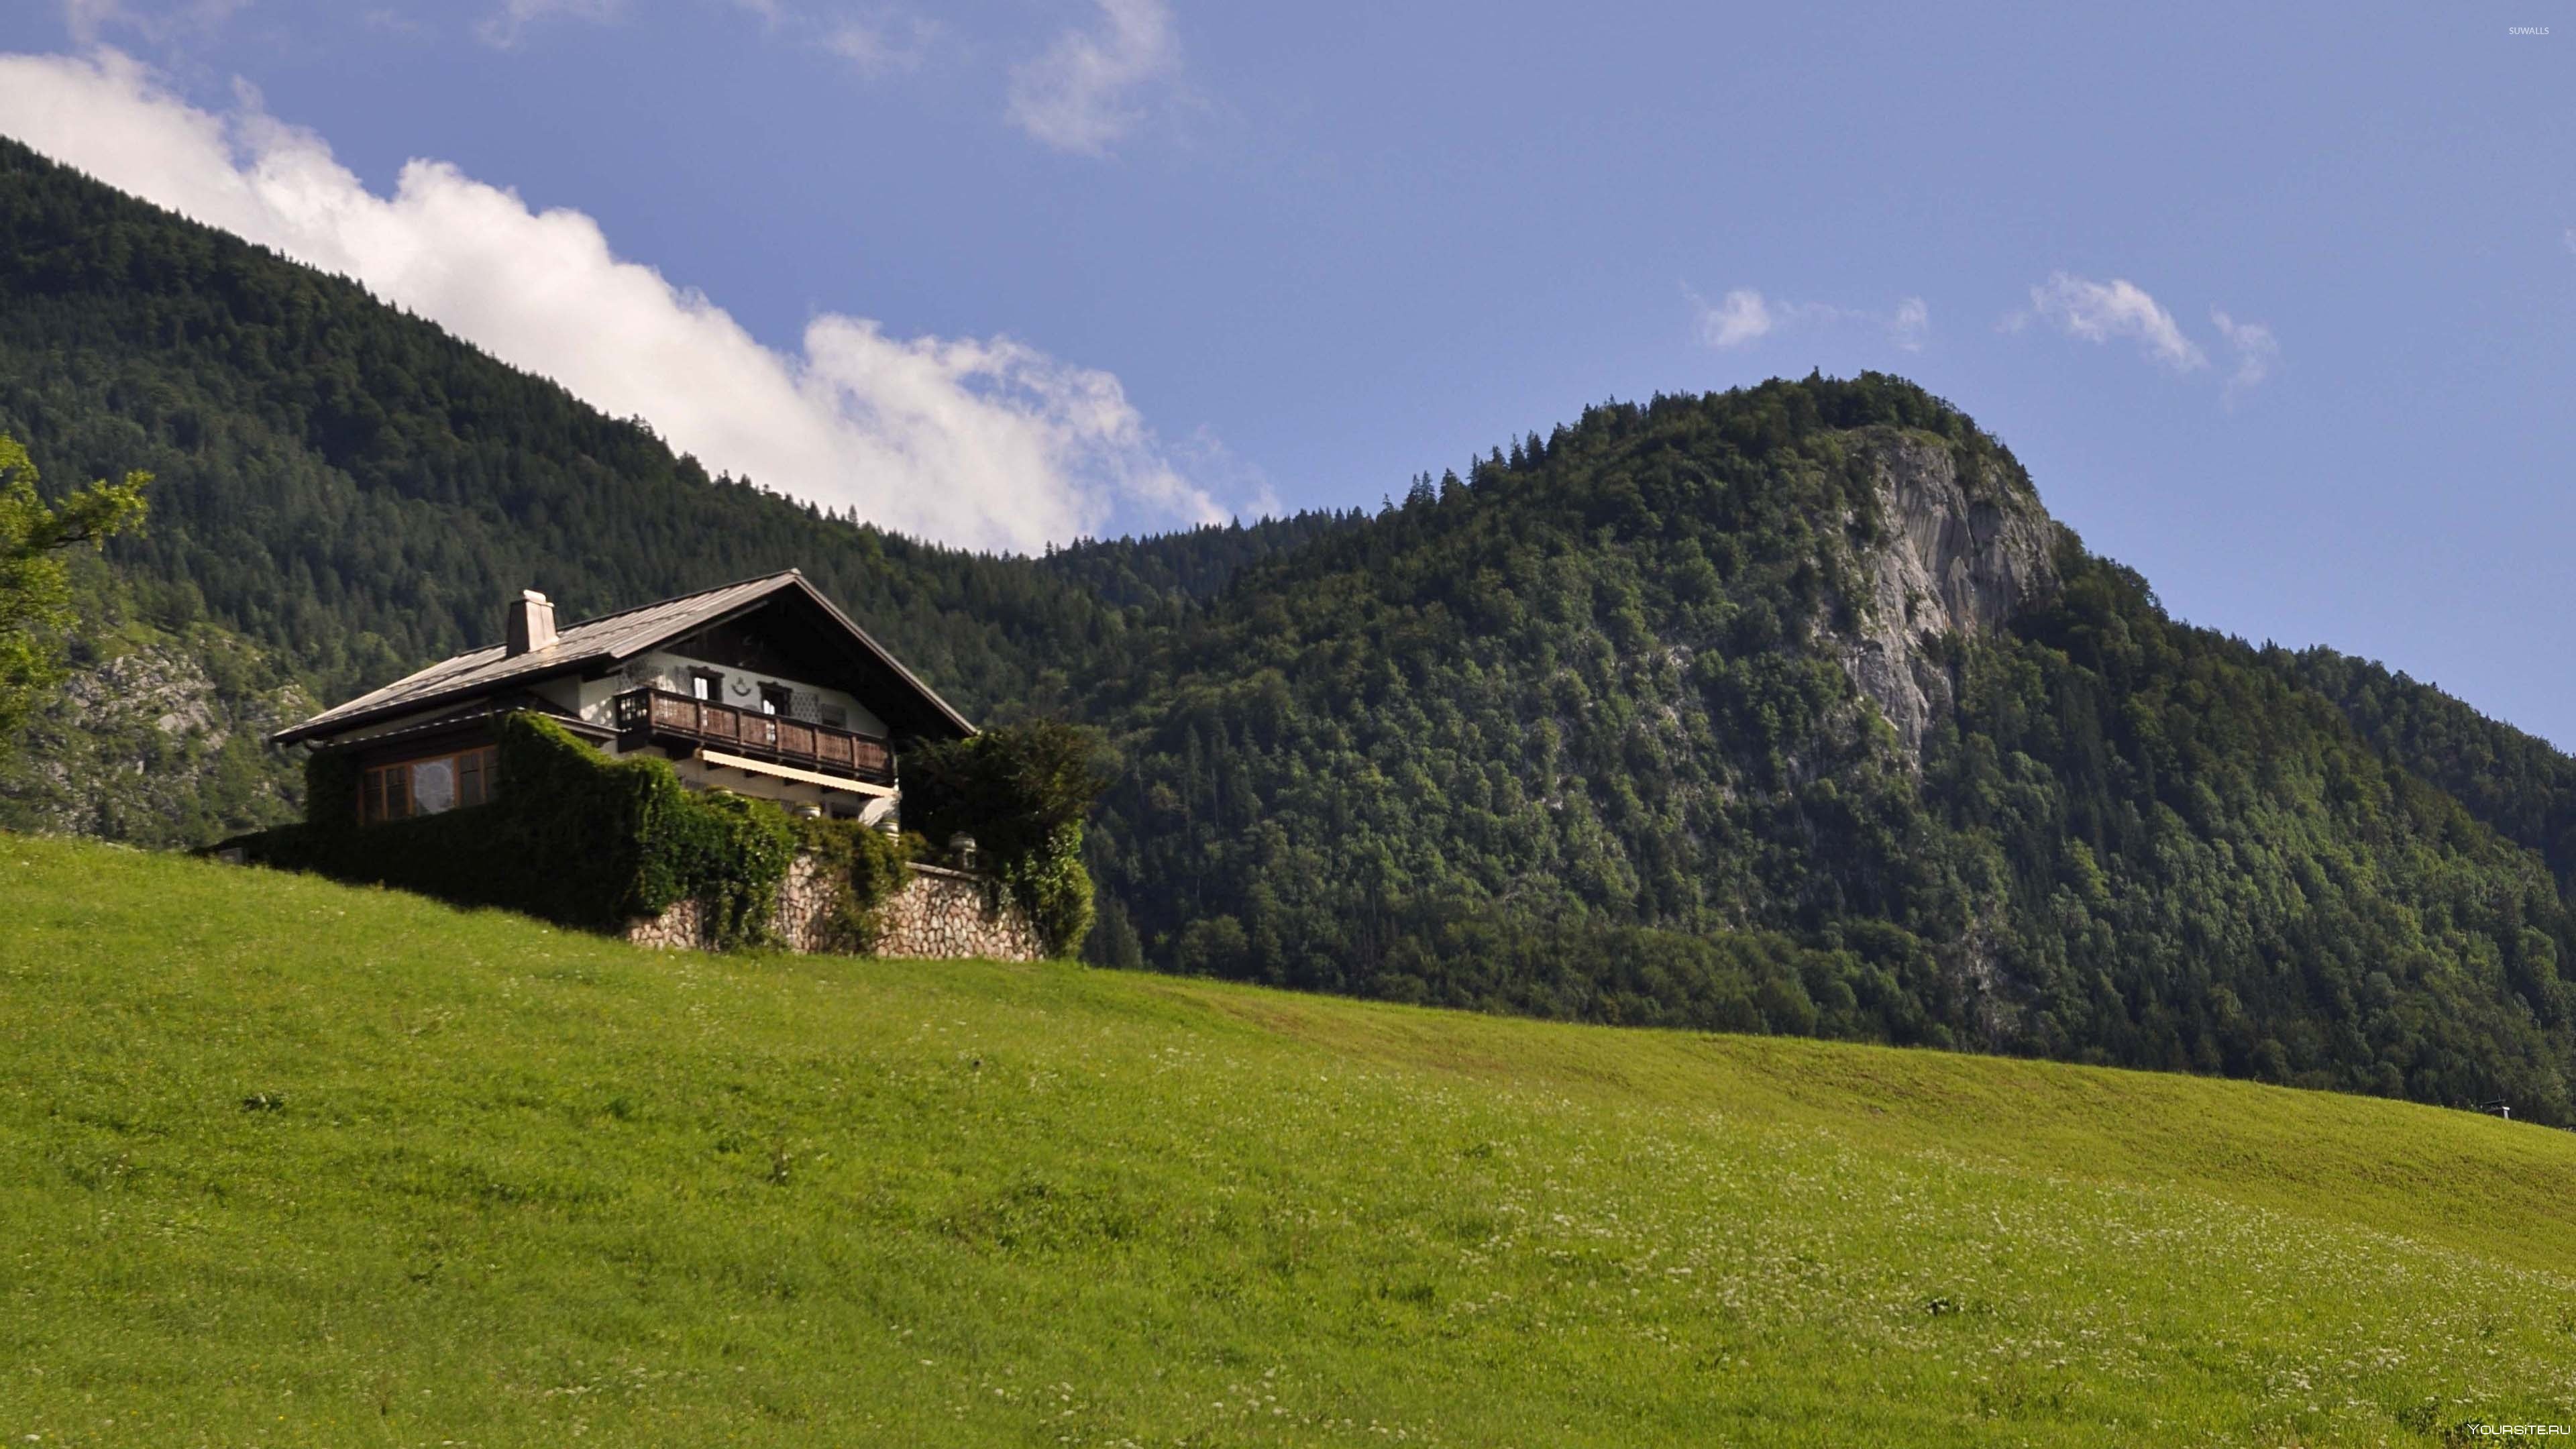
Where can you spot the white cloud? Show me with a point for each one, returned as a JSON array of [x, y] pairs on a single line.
[[1745, 316], [2100, 311], [2255, 347], [987, 443], [1080, 95]]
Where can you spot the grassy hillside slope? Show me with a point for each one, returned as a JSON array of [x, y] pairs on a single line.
[[297, 1164]]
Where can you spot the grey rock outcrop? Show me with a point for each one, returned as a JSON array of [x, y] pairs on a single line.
[[1950, 560], [159, 745]]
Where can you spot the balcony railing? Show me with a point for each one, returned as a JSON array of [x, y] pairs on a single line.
[[649, 712]]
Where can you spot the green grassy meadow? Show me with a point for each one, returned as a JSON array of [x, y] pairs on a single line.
[[286, 1163]]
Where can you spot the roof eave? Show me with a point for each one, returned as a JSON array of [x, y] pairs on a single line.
[[467, 715], [318, 726], [964, 725]]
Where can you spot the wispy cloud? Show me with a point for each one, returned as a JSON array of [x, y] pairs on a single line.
[[503, 28], [1911, 327], [91, 20], [886, 44], [2256, 349], [1205, 458], [982, 442], [880, 42], [1081, 94], [1745, 316], [2119, 308]]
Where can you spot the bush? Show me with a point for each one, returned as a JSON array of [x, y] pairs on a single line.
[[1022, 791]]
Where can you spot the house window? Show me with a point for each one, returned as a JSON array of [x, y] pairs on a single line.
[[775, 699], [427, 786], [474, 776], [707, 685]]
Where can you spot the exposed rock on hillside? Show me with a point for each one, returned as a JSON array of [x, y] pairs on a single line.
[[161, 745], [1955, 557]]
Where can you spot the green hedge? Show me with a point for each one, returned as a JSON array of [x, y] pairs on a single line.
[[577, 837], [571, 836]]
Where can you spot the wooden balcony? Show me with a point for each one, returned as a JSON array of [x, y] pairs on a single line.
[[657, 715]]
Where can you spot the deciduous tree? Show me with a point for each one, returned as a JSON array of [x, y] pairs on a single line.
[[35, 590]]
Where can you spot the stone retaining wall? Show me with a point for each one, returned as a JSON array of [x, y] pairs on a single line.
[[947, 914], [677, 929], [940, 914]]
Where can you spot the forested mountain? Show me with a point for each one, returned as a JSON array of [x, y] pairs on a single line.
[[1784, 709], [1193, 565], [2524, 788], [1556, 737]]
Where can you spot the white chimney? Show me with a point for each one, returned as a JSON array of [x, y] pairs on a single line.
[[532, 623]]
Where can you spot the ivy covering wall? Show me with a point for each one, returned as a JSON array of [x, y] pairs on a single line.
[[867, 868], [586, 840], [573, 836]]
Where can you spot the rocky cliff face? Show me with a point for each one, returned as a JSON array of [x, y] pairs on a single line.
[[1955, 557], [160, 746]]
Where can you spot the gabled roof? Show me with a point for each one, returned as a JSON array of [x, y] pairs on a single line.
[[608, 639]]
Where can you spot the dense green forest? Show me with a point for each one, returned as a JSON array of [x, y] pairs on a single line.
[[1577, 732], [2524, 787]]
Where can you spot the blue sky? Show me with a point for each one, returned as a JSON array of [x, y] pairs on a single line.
[[1031, 268]]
